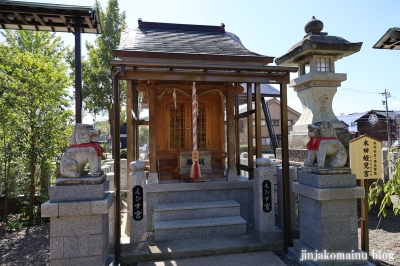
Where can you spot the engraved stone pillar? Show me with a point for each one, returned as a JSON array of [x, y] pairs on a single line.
[[137, 212], [264, 210], [328, 217], [78, 210], [111, 235]]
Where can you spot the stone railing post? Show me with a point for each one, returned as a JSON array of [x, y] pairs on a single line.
[[78, 210], [137, 211], [111, 235], [264, 210]]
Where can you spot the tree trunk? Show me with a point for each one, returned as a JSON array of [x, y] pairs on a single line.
[[31, 192], [45, 176], [112, 126], [6, 177]]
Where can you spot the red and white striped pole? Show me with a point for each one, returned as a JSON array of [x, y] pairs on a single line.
[[195, 169]]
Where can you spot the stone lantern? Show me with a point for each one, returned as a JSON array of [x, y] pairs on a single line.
[[317, 82]]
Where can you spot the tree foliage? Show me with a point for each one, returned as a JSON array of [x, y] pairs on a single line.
[[387, 192], [37, 42], [97, 90], [33, 83]]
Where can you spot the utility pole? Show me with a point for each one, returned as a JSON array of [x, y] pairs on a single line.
[[387, 95]]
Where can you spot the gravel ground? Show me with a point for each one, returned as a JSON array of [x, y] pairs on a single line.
[[30, 245], [384, 238]]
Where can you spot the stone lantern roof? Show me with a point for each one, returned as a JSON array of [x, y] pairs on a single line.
[[317, 42]]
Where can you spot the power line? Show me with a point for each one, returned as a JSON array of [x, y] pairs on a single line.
[[360, 91], [350, 89]]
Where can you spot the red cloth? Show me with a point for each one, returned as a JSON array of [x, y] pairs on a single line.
[[313, 144], [95, 145]]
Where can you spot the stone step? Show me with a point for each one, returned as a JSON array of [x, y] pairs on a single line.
[[184, 248], [199, 228], [195, 210]]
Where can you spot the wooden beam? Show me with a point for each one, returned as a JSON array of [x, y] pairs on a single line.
[[250, 129], [135, 120], [21, 18], [244, 114], [285, 166], [237, 133], [153, 129], [89, 22], [231, 143], [130, 155], [130, 147], [195, 76], [5, 19], [257, 108], [45, 11], [39, 19], [203, 65]]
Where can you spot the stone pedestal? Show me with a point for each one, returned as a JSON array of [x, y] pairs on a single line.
[[137, 211], [328, 217], [264, 207], [111, 238], [78, 212]]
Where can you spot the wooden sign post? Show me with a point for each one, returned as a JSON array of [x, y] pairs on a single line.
[[365, 163]]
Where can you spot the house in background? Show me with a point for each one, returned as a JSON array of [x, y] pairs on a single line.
[[349, 121], [273, 106], [374, 124]]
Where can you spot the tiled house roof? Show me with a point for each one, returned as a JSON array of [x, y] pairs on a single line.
[[381, 113]]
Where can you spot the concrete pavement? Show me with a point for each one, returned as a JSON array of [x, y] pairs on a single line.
[[239, 259]]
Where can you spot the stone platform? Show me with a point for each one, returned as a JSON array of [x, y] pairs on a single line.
[[328, 216], [79, 223], [187, 248]]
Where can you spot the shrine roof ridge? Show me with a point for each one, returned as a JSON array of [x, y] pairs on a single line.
[[181, 27]]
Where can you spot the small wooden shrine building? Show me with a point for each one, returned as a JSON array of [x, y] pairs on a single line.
[[161, 62]]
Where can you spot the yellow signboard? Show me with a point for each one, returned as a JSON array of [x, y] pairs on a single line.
[[366, 157]]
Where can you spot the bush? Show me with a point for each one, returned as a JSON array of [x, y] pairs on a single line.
[[243, 148], [14, 223], [123, 154], [386, 193]]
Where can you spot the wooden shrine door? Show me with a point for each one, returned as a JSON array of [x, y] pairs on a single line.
[[174, 134], [179, 125]]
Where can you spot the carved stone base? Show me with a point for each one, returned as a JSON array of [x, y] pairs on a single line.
[[83, 180], [326, 171]]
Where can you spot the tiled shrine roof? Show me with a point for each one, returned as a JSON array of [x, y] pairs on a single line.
[[183, 39]]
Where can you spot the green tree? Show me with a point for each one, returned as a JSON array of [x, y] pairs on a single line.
[[386, 193], [143, 135], [97, 91], [38, 42], [8, 126], [36, 75]]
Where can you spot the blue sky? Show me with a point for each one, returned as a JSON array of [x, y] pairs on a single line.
[[272, 27]]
